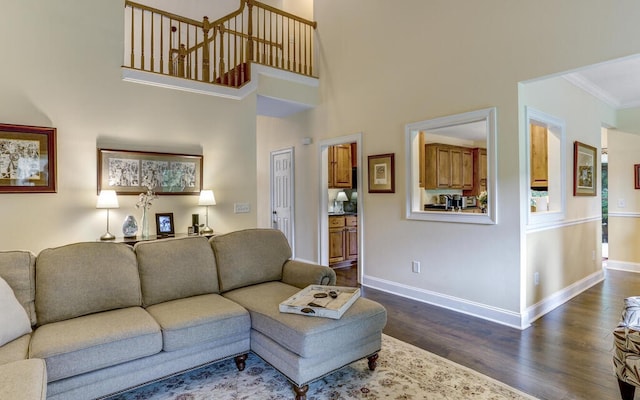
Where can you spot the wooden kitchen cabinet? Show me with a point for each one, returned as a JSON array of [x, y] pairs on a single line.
[[340, 164], [447, 167], [539, 157], [343, 240], [479, 172]]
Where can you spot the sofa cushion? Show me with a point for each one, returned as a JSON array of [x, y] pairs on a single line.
[[176, 268], [195, 320], [95, 341], [84, 278], [18, 269], [15, 350], [14, 321], [23, 380], [250, 256], [303, 335]]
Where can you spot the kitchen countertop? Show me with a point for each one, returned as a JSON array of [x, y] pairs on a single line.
[[332, 214]]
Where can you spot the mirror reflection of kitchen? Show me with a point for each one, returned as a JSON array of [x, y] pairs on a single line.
[[343, 206], [453, 168]]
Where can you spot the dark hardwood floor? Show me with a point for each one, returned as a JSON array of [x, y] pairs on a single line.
[[566, 354]]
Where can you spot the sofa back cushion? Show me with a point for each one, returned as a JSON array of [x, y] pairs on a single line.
[[85, 278], [176, 268], [17, 268], [249, 257]]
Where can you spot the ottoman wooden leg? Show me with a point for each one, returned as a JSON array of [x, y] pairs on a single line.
[[373, 361], [627, 390], [240, 361], [301, 392]]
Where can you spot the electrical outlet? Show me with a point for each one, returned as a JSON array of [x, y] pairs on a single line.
[[622, 203], [241, 208], [536, 278], [593, 255], [415, 267]]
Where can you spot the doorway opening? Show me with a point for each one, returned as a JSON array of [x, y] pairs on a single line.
[[341, 206], [604, 165]]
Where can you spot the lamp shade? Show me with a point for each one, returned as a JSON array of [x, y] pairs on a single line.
[[107, 199], [207, 198], [354, 196], [342, 196]]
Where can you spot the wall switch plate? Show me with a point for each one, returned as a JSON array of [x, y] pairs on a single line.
[[241, 208], [536, 278], [621, 203]]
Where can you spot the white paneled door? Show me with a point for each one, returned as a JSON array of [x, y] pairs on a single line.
[[282, 190]]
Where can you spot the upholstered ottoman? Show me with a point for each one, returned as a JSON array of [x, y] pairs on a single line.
[[255, 271], [305, 348]]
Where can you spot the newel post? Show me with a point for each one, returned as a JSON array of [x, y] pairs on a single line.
[[205, 49], [182, 54]]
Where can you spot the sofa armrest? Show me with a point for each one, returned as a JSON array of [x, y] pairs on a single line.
[[24, 380], [302, 274]]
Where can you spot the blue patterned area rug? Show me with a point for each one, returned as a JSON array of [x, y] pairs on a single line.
[[404, 372]]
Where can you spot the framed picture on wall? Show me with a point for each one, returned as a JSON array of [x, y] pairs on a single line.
[[382, 173], [27, 159], [636, 175], [133, 172], [585, 172]]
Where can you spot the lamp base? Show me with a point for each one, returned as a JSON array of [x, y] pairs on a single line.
[[107, 236], [206, 230]]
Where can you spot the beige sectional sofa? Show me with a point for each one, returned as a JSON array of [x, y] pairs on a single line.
[[107, 317]]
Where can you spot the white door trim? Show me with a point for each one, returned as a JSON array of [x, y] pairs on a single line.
[[323, 210]]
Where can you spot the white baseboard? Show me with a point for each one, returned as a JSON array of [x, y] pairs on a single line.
[[557, 299], [623, 266], [494, 314]]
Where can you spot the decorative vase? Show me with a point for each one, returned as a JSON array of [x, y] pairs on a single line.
[[130, 227], [145, 224]]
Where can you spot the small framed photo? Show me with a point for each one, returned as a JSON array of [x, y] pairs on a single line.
[[27, 159], [382, 173], [636, 175], [164, 224], [585, 171]]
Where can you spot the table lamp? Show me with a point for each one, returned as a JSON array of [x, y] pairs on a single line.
[[207, 199], [107, 199], [340, 199]]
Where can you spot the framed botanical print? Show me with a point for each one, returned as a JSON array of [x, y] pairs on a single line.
[[132, 172], [585, 172], [382, 173], [27, 159]]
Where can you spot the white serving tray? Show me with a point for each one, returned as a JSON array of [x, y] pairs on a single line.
[[327, 307]]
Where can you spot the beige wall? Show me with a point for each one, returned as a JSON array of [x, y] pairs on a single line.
[[64, 71], [446, 58], [566, 250], [624, 221]]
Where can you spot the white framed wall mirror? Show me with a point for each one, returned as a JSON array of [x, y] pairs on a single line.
[[451, 171]]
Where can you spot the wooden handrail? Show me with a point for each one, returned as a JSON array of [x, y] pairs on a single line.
[[220, 51], [164, 13], [267, 7]]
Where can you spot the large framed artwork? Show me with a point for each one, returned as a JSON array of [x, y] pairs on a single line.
[[134, 172], [585, 172], [382, 173], [27, 159]]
